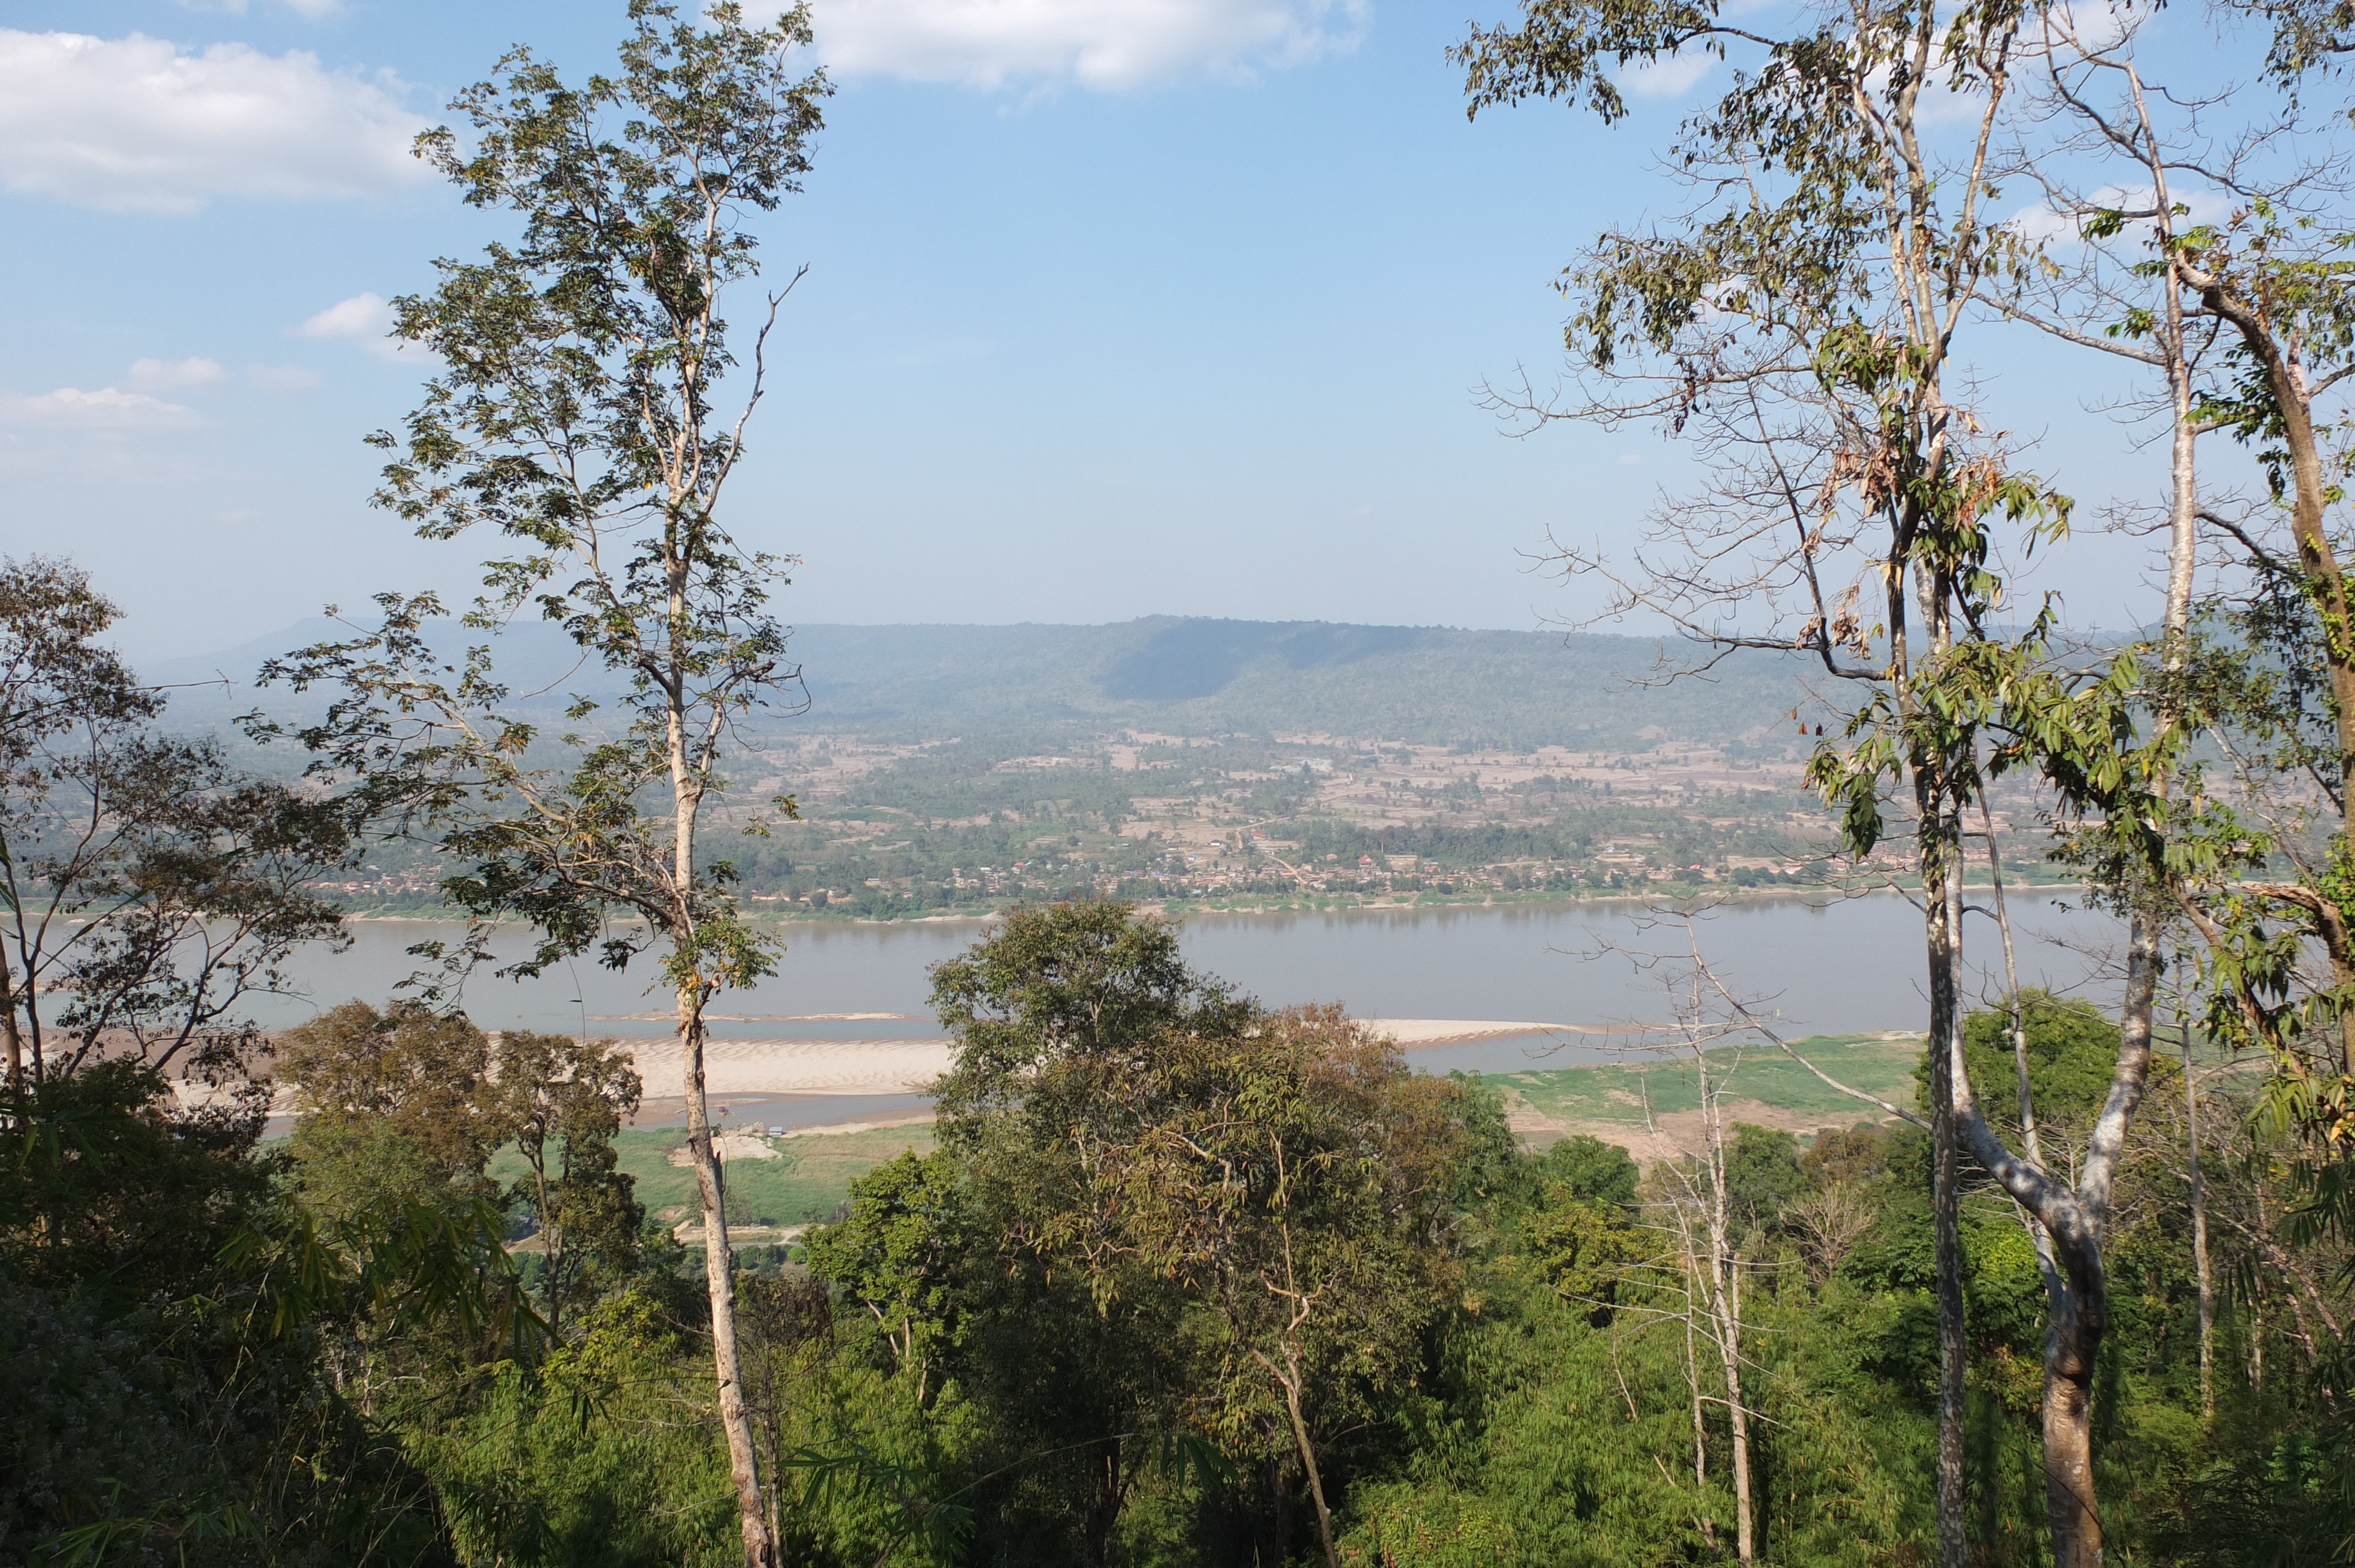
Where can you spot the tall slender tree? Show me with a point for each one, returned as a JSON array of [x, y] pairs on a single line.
[[577, 415], [1798, 325]]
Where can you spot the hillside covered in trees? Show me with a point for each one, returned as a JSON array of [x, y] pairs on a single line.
[[1169, 674]]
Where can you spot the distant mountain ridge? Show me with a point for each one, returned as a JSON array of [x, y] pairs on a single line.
[[1185, 675]]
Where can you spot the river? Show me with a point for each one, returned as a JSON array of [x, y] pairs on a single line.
[[1845, 966]]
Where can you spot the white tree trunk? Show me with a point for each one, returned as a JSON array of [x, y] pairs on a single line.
[[719, 1275]]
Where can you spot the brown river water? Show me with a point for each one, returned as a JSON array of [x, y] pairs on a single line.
[[1844, 965]]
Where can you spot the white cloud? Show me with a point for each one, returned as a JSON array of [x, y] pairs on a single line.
[[1108, 45], [364, 319], [311, 9], [176, 372], [283, 378], [1672, 75], [2042, 225], [70, 408], [362, 315], [138, 124], [2046, 225], [2093, 25]]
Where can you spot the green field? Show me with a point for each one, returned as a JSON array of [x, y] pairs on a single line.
[[807, 1180], [1762, 1084]]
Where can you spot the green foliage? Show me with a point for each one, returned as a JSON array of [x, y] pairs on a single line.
[[1185, 1269], [1403, 1527], [560, 1101], [574, 416], [339, 1172], [896, 1255], [1036, 1345], [159, 1319], [408, 1072], [1584, 1249], [147, 885], [1164, 1222], [1761, 1176], [110, 1189], [1845, 1157], [159, 1432], [582, 1461], [406, 1107], [1584, 1167], [2073, 1053], [1083, 987]]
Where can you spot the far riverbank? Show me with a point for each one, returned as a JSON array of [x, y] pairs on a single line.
[[1664, 894]]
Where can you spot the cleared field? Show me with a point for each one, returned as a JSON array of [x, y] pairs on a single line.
[[801, 1180], [1650, 1103]]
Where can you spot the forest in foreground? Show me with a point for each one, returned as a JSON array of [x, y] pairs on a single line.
[[1189, 1279]]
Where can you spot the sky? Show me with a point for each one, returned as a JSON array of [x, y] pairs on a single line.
[[1113, 308]]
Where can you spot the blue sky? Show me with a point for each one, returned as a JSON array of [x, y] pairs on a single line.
[[1113, 309]]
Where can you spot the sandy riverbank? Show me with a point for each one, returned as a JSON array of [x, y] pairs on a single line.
[[794, 1068], [906, 1067]]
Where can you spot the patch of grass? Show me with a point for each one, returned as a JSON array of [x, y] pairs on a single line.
[[1618, 1092], [808, 1180]]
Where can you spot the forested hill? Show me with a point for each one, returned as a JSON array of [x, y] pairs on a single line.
[[1195, 676]]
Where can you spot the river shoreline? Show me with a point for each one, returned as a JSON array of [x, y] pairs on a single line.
[[1672, 895]]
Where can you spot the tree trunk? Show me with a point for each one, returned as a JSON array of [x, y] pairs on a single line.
[[719, 1277], [552, 1245], [8, 1023], [1941, 892], [2257, 1343], [2257, 1294], [1111, 1491], [1744, 1539], [1722, 1292], [687, 800], [2309, 501], [2073, 1343], [1291, 1383], [2200, 1238], [2182, 556], [1700, 1430], [2311, 491], [2077, 1293]]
